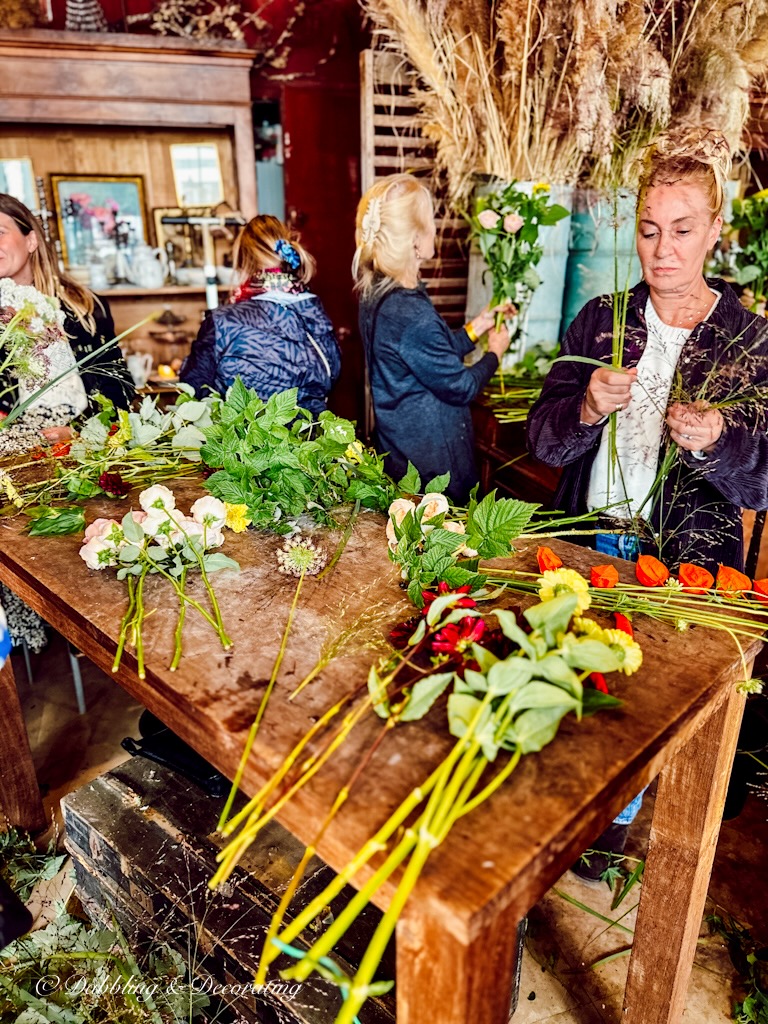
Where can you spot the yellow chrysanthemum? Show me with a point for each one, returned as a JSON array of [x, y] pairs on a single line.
[[237, 517], [586, 627], [354, 452], [541, 186], [123, 432], [627, 650], [556, 582]]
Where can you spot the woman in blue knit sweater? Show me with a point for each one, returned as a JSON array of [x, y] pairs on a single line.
[[420, 386]]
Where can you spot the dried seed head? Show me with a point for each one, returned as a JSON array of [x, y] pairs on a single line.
[[300, 556]]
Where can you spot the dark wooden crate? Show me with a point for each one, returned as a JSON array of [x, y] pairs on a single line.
[[144, 847]]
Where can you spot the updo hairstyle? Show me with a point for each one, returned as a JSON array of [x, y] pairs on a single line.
[[698, 155], [389, 216], [257, 249]]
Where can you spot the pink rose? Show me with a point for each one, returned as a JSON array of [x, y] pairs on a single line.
[[100, 528], [512, 223], [138, 516], [488, 219]]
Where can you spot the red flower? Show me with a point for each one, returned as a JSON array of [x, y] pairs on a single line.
[[60, 449], [598, 681], [604, 577], [113, 429], [760, 588], [547, 559], [37, 454], [443, 589], [730, 582], [403, 631], [456, 637], [114, 485]]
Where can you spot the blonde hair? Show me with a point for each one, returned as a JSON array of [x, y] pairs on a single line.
[[691, 153], [389, 216], [256, 249], [46, 276]]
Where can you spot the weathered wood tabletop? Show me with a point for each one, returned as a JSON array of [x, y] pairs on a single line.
[[455, 940]]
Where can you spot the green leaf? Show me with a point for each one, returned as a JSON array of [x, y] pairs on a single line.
[[217, 561], [542, 695], [462, 709], [82, 487], [131, 529], [590, 654], [484, 658], [534, 729], [595, 700], [378, 692], [589, 361], [552, 214], [437, 484], [337, 429], [237, 397], [411, 482], [128, 554], [552, 617], [58, 522], [419, 633], [510, 629], [495, 524], [510, 675], [474, 681], [424, 694], [554, 669]]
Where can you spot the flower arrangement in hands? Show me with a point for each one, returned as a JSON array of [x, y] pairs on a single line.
[[160, 539], [506, 224], [29, 323]]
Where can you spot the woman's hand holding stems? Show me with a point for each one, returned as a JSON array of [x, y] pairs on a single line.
[[692, 426], [485, 322]]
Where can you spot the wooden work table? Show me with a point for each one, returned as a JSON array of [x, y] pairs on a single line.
[[455, 940]]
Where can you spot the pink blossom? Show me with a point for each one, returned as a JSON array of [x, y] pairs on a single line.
[[488, 219], [100, 528], [512, 223]]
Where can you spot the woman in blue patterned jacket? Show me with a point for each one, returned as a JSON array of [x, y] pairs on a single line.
[[274, 334]]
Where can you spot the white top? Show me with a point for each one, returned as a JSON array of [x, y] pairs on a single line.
[[639, 427]]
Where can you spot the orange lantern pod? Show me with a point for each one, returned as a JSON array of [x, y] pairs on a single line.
[[760, 588], [547, 559], [650, 571], [604, 577], [694, 578], [730, 582]]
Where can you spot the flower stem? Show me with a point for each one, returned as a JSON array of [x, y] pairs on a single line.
[[138, 622], [262, 707], [180, 623], [124, 625]]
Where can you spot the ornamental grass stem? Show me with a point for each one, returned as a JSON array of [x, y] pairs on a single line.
[[262, 707]]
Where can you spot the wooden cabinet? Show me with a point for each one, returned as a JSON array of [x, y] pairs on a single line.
[[504, 462]]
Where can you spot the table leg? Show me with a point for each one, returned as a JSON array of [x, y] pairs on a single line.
[[450, 979], [684, 831], [19, 792]]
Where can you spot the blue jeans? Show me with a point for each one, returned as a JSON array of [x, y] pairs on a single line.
[[626, 546]]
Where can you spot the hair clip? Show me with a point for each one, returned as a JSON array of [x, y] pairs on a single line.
[[287, 253], [371, 222]]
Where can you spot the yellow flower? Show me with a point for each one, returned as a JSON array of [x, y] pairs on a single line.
[[123, 433], [541, 186], [354, 452], [237, 518], [556, 582], [586, 627], [627, 650]]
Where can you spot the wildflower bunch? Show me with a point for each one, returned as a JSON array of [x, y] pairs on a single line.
[[30, 323], [160, 539]]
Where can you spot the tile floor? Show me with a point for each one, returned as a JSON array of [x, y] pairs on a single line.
[[559, 985]]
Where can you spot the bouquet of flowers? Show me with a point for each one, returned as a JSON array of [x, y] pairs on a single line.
[[30, 323], [160, 539], [506, 225]]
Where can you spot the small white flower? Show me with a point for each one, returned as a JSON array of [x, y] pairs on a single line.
[[157, 497], [209, 511], [434, 504]]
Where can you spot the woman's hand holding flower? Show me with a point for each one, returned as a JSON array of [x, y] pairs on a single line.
[[608, 391], [694, 427], [486, 319], [498, 341]]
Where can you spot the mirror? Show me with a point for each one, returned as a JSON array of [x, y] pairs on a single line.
[[197, 174], [18, 179]]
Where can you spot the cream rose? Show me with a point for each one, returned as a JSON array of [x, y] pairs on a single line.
[[100, 528], [488, 219], [157, 497], [512, 223], [400, 508], [98, 553], [209, 511], [433, 504]]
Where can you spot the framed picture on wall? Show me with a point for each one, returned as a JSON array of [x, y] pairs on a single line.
[[95, 212]]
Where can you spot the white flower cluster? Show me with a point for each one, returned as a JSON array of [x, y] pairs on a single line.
[[433, 504], [44, 310], [160, 522]]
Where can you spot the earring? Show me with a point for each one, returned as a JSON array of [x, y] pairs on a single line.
[[416, 250]]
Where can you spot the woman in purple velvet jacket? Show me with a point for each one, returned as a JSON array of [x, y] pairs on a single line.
[[695, 377], [690, 397]]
